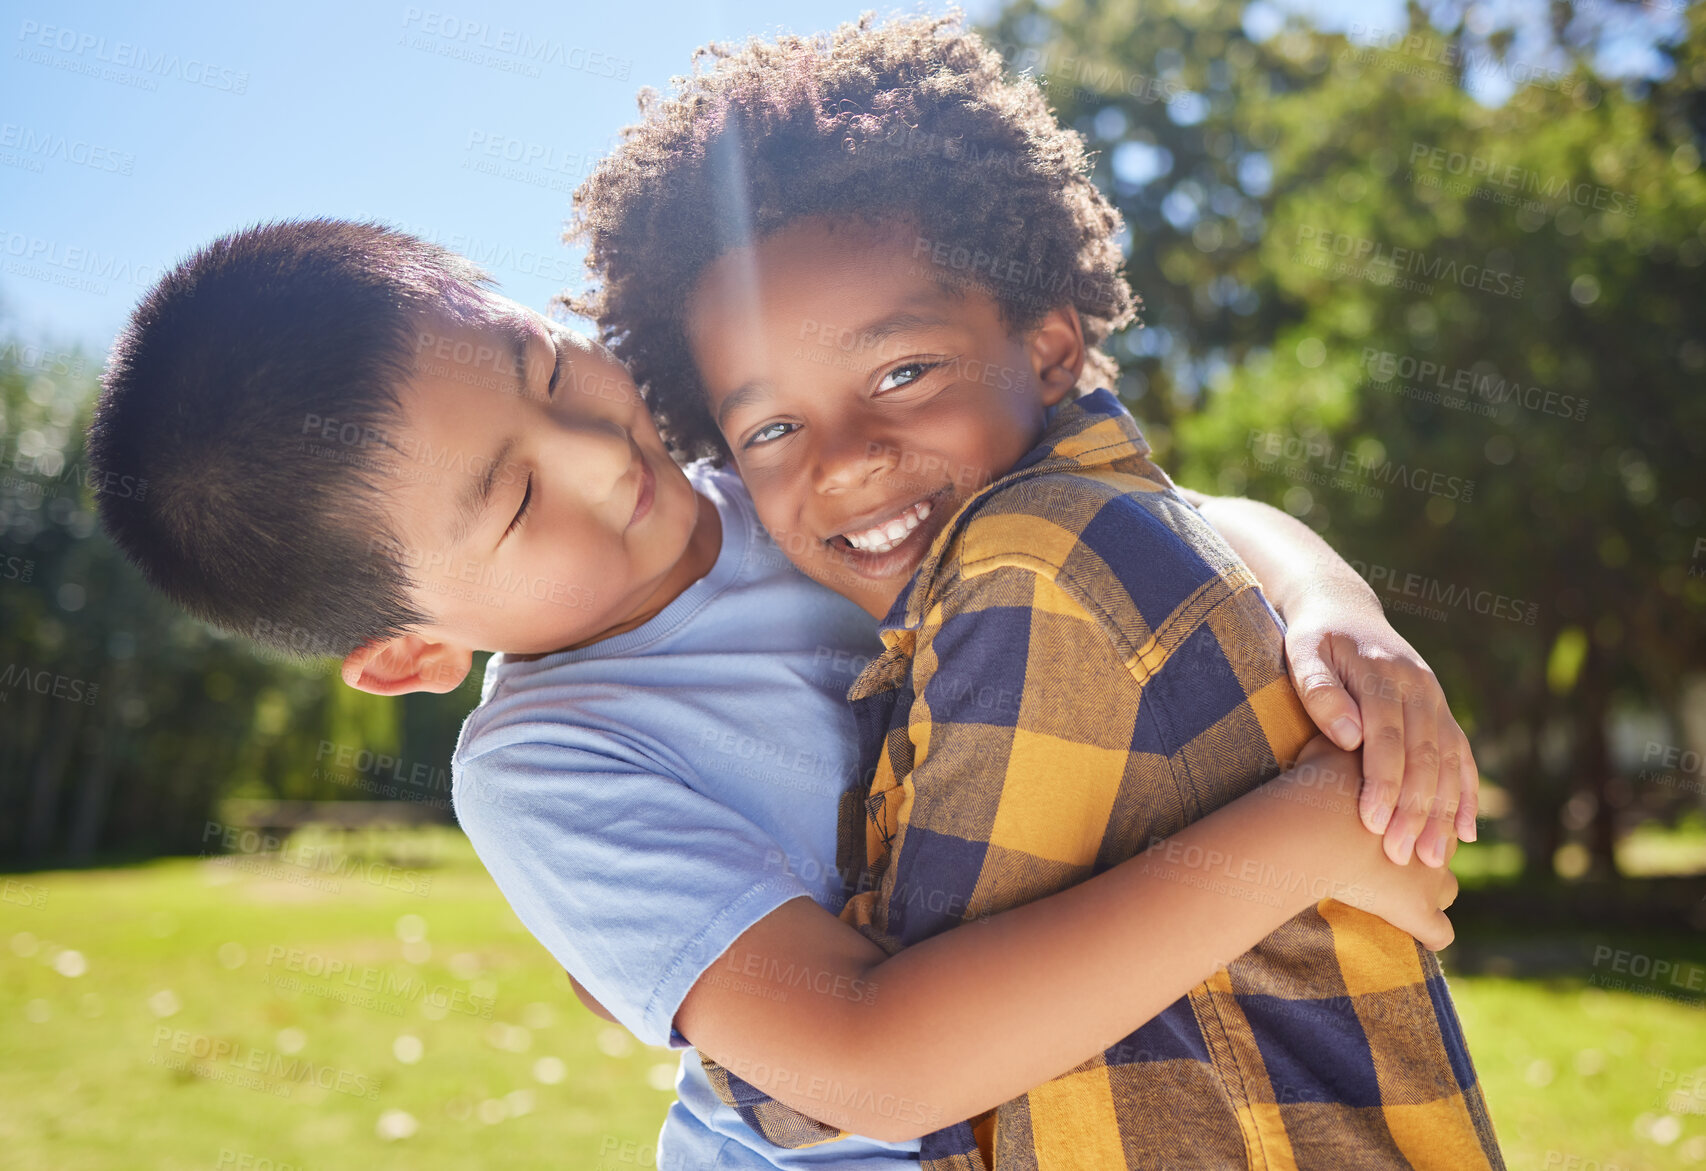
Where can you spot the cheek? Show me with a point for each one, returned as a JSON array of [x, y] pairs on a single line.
[[976, 439]]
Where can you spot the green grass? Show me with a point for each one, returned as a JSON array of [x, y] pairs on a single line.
[[191, 953], [87, 1080]]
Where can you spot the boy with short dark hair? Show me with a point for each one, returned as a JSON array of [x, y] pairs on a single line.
[[467, 475], [892, 339]]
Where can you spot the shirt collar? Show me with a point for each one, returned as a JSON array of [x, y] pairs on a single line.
[[1090, 431]]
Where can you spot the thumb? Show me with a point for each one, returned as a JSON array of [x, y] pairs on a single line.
[[1437, 933], [1326, 699]]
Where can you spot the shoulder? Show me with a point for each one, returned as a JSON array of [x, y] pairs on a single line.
[[1128, 551], [1094, 526]]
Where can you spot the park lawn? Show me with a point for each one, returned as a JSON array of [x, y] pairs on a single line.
[[196, 1013], [188, 958]]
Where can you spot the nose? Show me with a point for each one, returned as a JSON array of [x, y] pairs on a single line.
[[848, 457], [593, 453]]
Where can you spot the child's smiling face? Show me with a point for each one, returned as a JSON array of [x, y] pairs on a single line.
[[536, 502], [865, 400]]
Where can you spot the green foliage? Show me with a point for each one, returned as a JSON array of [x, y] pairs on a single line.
[[1462, 341], [124, 719]]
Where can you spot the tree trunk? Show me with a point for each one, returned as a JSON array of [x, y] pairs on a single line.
[[57, 747], [1538, 807], [86, 823], [1594, 765]]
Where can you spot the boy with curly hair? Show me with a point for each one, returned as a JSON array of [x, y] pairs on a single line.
[[355, 447], [873, 270]]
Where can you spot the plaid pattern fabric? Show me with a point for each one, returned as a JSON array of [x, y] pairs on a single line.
[[1079, 666]]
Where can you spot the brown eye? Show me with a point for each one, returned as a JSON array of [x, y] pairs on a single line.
[[912, 372]]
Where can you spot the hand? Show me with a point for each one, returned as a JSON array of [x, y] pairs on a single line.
[[1364, 685], [1413, 898], [1410, 896]]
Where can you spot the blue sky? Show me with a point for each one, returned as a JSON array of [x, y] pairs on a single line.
[[132, 133]]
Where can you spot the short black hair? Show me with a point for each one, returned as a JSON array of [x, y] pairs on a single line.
[[913, 120], [202, 431]]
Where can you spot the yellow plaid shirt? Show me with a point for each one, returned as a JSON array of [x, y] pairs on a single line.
[[1080, 666]]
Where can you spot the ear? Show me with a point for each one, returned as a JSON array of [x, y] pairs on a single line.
[[1056, 349], [408, 662]]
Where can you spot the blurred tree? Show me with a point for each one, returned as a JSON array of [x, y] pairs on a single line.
[[1463, 340], [122, 720]]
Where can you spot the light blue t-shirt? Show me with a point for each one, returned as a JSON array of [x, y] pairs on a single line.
[[643, 801]]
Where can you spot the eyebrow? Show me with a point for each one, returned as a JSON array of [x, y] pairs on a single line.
[[904, 321]]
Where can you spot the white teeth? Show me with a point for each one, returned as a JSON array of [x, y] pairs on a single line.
[[886, 536]]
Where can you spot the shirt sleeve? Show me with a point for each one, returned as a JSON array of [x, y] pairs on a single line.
[[1055, 728], [633, 881], [978, 813], [1035, 761]]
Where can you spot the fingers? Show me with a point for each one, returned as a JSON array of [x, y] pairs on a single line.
[[1448, 890], [1421, 782], [1437, 933], [1382, 762], [1440, 833], [1469, 792], [1327, 701]]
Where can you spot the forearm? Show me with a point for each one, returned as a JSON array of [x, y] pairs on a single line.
[[974, 1016], [1286, 555]]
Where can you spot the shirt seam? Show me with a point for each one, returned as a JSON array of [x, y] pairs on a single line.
[[691, 947]]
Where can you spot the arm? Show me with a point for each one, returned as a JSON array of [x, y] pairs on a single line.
[[592, 1005], [1362, 683], [977, 1015], [968, 1018]]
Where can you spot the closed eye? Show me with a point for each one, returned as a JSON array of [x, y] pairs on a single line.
[[521, 513], [560, 352]]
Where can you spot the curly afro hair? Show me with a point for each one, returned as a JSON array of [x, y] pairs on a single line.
[[912, 120]]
